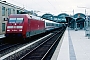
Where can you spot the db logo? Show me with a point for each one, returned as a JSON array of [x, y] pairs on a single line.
[[14, 26]]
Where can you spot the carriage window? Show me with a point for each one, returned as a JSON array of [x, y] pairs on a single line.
[[47, 24]]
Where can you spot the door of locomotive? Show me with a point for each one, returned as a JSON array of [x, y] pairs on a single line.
[[29, 25], [28, 28]]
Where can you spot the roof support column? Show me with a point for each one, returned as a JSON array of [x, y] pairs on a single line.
[[75, 25], [86, 26]]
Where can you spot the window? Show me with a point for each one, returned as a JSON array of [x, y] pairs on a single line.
[[15, 20], [3, 11], [9, 11], [12, 20], [47, 24], [19, 20], [13, 11], [18, 12], [3, 26]]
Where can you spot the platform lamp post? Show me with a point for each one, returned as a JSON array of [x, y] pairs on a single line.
[[86, 30], [86, 27], [75, 23]]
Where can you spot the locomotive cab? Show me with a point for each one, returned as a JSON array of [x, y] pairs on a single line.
[[14, 27]]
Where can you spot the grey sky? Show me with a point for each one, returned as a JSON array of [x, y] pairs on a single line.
[[54, 6]]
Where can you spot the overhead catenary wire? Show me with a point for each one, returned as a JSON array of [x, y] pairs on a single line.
[[37, 4], [11, 1], [52, 5]]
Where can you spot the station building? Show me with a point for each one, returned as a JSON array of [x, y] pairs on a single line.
[[5, 10]]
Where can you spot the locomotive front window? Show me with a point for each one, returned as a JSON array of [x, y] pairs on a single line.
[[12, 20], [15, 20], [19, 20]]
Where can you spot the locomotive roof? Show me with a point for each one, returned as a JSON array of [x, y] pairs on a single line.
[[29, 16], [18, 14], [35, 17]]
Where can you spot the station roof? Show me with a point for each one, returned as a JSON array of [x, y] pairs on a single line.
[[79, 15], [47, 16], [63, 15]]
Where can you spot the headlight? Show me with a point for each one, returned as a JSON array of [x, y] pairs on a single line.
[[14, 26], [20, 30], [19, 26], [8, 30], [9, 26]]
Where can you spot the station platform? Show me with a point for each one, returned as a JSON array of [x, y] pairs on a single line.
[[2, 35], [73, 46]]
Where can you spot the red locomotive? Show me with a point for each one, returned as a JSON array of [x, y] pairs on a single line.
[[23, 25]]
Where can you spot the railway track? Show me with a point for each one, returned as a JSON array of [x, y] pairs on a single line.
[[41, 51], [43, 47], [6, 48]]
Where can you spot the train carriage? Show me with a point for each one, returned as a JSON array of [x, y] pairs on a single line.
[[50, 25]]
